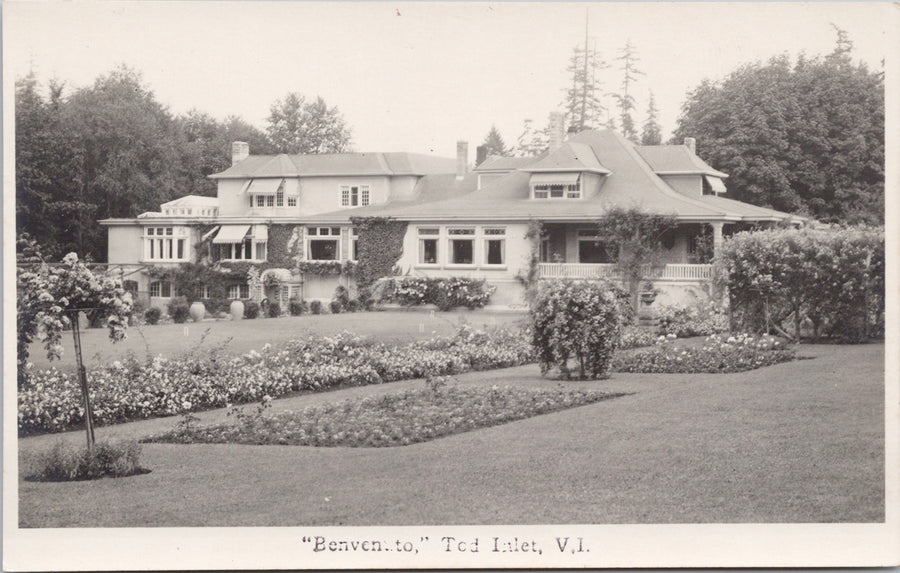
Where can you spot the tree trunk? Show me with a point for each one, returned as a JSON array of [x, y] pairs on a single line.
[[82, 378]]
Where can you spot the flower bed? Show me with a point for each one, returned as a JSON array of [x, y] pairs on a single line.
[[395, 419], [132, 389], [717, 355]]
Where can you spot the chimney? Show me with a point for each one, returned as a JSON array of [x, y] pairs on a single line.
[[557, 130], [691, 144], [239, 151], [480, 154], [462, 159]]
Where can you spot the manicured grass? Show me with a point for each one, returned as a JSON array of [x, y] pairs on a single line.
[[798, 442], [398, 419], [245, 335]]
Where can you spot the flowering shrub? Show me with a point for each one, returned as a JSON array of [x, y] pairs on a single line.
[[396, 419], [446, 293], [576, 320], [696, 320], [132, 389], [834, 277], [717, 355], [635, 337]]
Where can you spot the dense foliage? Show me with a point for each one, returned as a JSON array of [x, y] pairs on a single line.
[[634, 238], [395, 419], [578, 321], [832, 277], [806, 138], [299, 126], [445, 293], [65, 462], [380, 244], [701, 319], [132, 389], [112, 149]]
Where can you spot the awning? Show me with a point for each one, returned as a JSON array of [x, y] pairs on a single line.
[[563, 178], [261, 232], [716, 184], [264, 186], [232, 234], [208, 233]]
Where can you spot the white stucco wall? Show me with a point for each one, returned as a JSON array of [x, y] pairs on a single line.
[[125, 244], [690, 185]]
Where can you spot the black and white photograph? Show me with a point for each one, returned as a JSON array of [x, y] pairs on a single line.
[[411, 285]]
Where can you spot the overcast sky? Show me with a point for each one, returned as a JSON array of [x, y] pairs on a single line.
[[415, 76]]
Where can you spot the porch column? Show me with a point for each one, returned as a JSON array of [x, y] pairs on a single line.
[[717, 237]]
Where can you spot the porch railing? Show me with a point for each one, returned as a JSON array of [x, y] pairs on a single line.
[[609, 271]]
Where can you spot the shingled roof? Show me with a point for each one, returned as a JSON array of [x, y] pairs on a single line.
[[675, 160], [337, 164]]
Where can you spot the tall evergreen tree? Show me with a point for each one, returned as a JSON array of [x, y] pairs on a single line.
[[651, 134], [806, 138], [584, 97], [624, 100], [494, 144]]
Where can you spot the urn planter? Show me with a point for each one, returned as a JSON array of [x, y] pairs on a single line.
[[198, 311], [237, 310]]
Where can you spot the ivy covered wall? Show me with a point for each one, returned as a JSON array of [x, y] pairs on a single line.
[[379, 248]]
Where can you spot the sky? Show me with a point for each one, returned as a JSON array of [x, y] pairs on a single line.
[[416, 76]]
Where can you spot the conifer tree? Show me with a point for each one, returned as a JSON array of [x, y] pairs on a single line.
[[624, 100], [651, 134]]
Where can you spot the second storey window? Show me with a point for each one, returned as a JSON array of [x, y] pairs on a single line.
[[354, 195], [323, 243], [165, 244], [462, 245], [556, 186], [240, 242]]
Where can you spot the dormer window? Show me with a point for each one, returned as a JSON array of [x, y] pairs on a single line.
[[556, 185]]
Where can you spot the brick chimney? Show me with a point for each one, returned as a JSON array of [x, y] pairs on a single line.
[[557, 130], [239, 151], [462, 159], [481, 153], [691, 144]]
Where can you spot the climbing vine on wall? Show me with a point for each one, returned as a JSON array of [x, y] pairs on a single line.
[[379, 247]]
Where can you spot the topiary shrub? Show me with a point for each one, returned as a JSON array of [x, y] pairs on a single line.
[[315, 307], [273, 310], [179, 309], [297, 306], [153, 315], [335, 307], [576, 321], [354, 306], [251, 309]]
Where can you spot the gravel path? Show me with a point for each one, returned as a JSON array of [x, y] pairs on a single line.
[[796, 442]]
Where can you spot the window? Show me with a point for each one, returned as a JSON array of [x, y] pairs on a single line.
[[323, 243], [354, 195], [428, 245], [239, 291], [494, 246], [260, 200], [557, 191], [260, 251], [202, 291], [161, 289], [292, 201], [462, 246], [593, 251], [235, 251], [165, 244]]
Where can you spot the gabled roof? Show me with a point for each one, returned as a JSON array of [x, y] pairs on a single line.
[[571, 156], [337, 164], [675, 160]]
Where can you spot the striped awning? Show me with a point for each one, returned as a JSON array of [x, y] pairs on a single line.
[[264, 186], [561, 178], [232, 234], [716, 184]]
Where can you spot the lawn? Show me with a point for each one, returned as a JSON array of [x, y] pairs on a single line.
[[796, 442], [245, 335]]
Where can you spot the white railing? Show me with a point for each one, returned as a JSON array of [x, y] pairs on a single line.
[[609, 271]]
